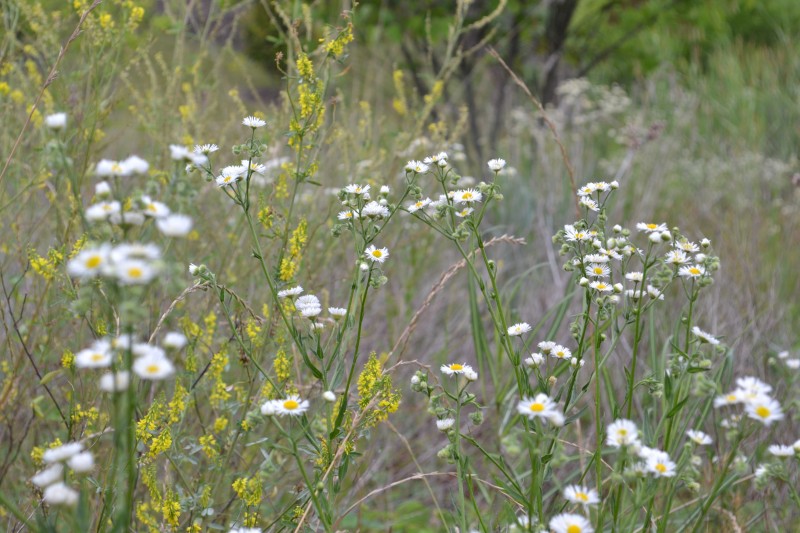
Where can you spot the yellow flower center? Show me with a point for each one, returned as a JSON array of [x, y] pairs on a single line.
[[763, 412], [135, 272], [731, 398], [97, 357], [573, 528], [580, 235], [537, 407], [695, 271], [652, 226], [456, 366], [560, 354], [94, 261], [151, 207], [601, 286], [291, 405], [116, 167], [582, 496], [152, 369], [598, 270], [377, 253], [466, 196], [622, 432], [661, 467]]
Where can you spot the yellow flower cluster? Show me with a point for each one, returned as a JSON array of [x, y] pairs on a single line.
[[171, 509], [219, 392], [79, 413], [336, 46], [177, 406], [160, 444], [399, 103], [68, 360], [289, 264], [46, 266], [282, 366], [248, 490], [209, 444], [373, 383]]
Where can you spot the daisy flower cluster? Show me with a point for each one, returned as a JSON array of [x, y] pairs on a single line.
[[150, 362], [127, 264], [553, 350], [623, 433], [51, 479], [755, 396]]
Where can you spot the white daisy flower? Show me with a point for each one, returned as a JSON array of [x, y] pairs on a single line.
[[253, 122], [98, 356], [570, 523], [134, 272], [687, 246], [444, 424], [374, 209], [659, 464], [601, 286], [56, 121], [654, 293], [467, 211], [419, 204], [765, 410], [60, 494], [705, 337], [650, 227], [205, 148], [699, 438], [115, 382], [155, 368], [593, 258], [62, 453], [781, 450], [230, 175], [337, 312], [153, 209], [416, 166], [582, 495], [589, 204], [347, 215], [81, 463], [145, 252], [636, 277], [310, 312], [535, 359], [496, 164], [547, 346], [467, 196], [89, 263], [254, 167], [753, 387], [730, 398], [102, 188], [48, 476], [622, 432], [269, 407], [292, 405], [308, 300], [676, 257], [692, 271], [518, 329], [541, 406], [455, 368], [174, 340], [598, 270], [175, 225], [135, 165], [575, 235], [376, 255], [294, 291], [561, 352], [108, 167], [102, 211], [127, 218], [358, 190]]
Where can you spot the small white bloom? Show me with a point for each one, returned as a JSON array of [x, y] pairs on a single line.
[[376, 210], [781, 450], [135, 165], [134, 272], [62, 453], [455, 368], [582, 495], [765, 410], [102, 211], [60, 494], [174, 340], [535, 359], [89, 263], [794, 364], [445, 423], [601, 286], [294, 291], [102, 189], [56, 121], [660, 464], [292, 406], [419, 204], [82, 462], [467, 196], [98, 356], [175, 225], [48, 476], [699, 438], [540, 406], [230, 175], [337, 312], [205, 148], [358, 190], [153, 367], [471, 375], [705, 337], [115, 382], [691, 271], [374, 254], [622, 432], [570, 523], [497, 164], [650, 227], [154, 209], [253, 122], [329, 396], [518, 329]]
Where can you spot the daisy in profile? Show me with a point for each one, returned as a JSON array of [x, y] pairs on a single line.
[[230, 175], [582, 495], [417, 167], [337, 312], [358, 190], [455, 368], [570, 523], [676, 257], [419, 204], [496, 165], [519, 329], [467, 211], [347, 215], [705, 337], [376, 255], [575, 235], [699, 438], [205, 148], [781, 450], [253, 122], [294, 291], [291, 405]]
